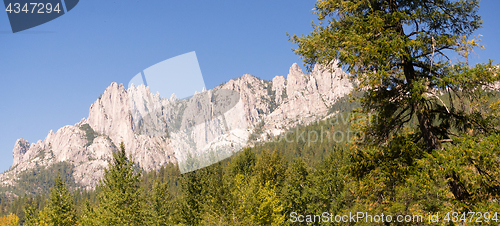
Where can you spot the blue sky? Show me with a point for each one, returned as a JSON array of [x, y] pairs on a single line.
[[52, 73]]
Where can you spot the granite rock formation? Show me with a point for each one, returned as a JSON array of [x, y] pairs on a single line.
[[156, 130]]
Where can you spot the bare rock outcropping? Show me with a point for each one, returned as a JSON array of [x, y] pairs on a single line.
[[273, 105], [306, 97], [89, 144]]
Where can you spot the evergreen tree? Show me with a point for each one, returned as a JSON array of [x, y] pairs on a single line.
[[271, 168], [120, 200], [244, 162], [88, 216], [161, 204], [329, 184], [256, 204], [30, 212], [60, 207], [397, 50], [296, 194], [191, 206]]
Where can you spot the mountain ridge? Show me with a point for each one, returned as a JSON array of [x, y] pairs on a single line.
[[273, 106]]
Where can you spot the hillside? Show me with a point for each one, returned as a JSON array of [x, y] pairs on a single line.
[[192, 133]]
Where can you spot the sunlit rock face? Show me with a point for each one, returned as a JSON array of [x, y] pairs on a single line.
[[305, 98], [192, 132]]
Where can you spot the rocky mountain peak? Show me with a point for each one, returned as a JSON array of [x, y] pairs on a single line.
[[296, 81], [173, 98], [158, 130], [279, 88], [295, 69], [20, 148]]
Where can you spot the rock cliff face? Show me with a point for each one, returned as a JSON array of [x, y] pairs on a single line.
[[305, 98], [158, 130], [89, 144]]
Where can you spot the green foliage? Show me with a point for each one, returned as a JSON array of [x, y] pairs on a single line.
[[40, 179], [271, 169], [296, 192], [346, 103], [396, 51], [20, 205], [243, 163], [474, 163], [329, 183], [386, 179], [31, 214], [312, 143], [161, 204], [120, 199], [60, 207], [88, 214], [257, 131], [90, 134], [257, 204], [431, 146]]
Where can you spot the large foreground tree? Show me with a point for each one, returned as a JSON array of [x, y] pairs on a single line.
[[399, 51]]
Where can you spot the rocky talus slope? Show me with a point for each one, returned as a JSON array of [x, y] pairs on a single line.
[[158, 130]]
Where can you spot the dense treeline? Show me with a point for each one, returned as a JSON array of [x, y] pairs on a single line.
[[307, 171], [273, 183], [184, 198], [34, 186]]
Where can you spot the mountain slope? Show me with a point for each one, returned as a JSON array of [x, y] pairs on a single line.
[[158, 130]]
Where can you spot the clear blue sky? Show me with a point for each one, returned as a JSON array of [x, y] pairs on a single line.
[[52, 73]]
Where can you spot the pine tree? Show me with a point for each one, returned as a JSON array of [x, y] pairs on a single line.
[[161, 204], [296, 194], [120, 200], [271, 168], [397, 50], [60, 208], [30, 211], [256, 204], [191, 206], [244, 162], [88, 216]]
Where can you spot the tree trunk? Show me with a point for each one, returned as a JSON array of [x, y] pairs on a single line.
[[425, 126]]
